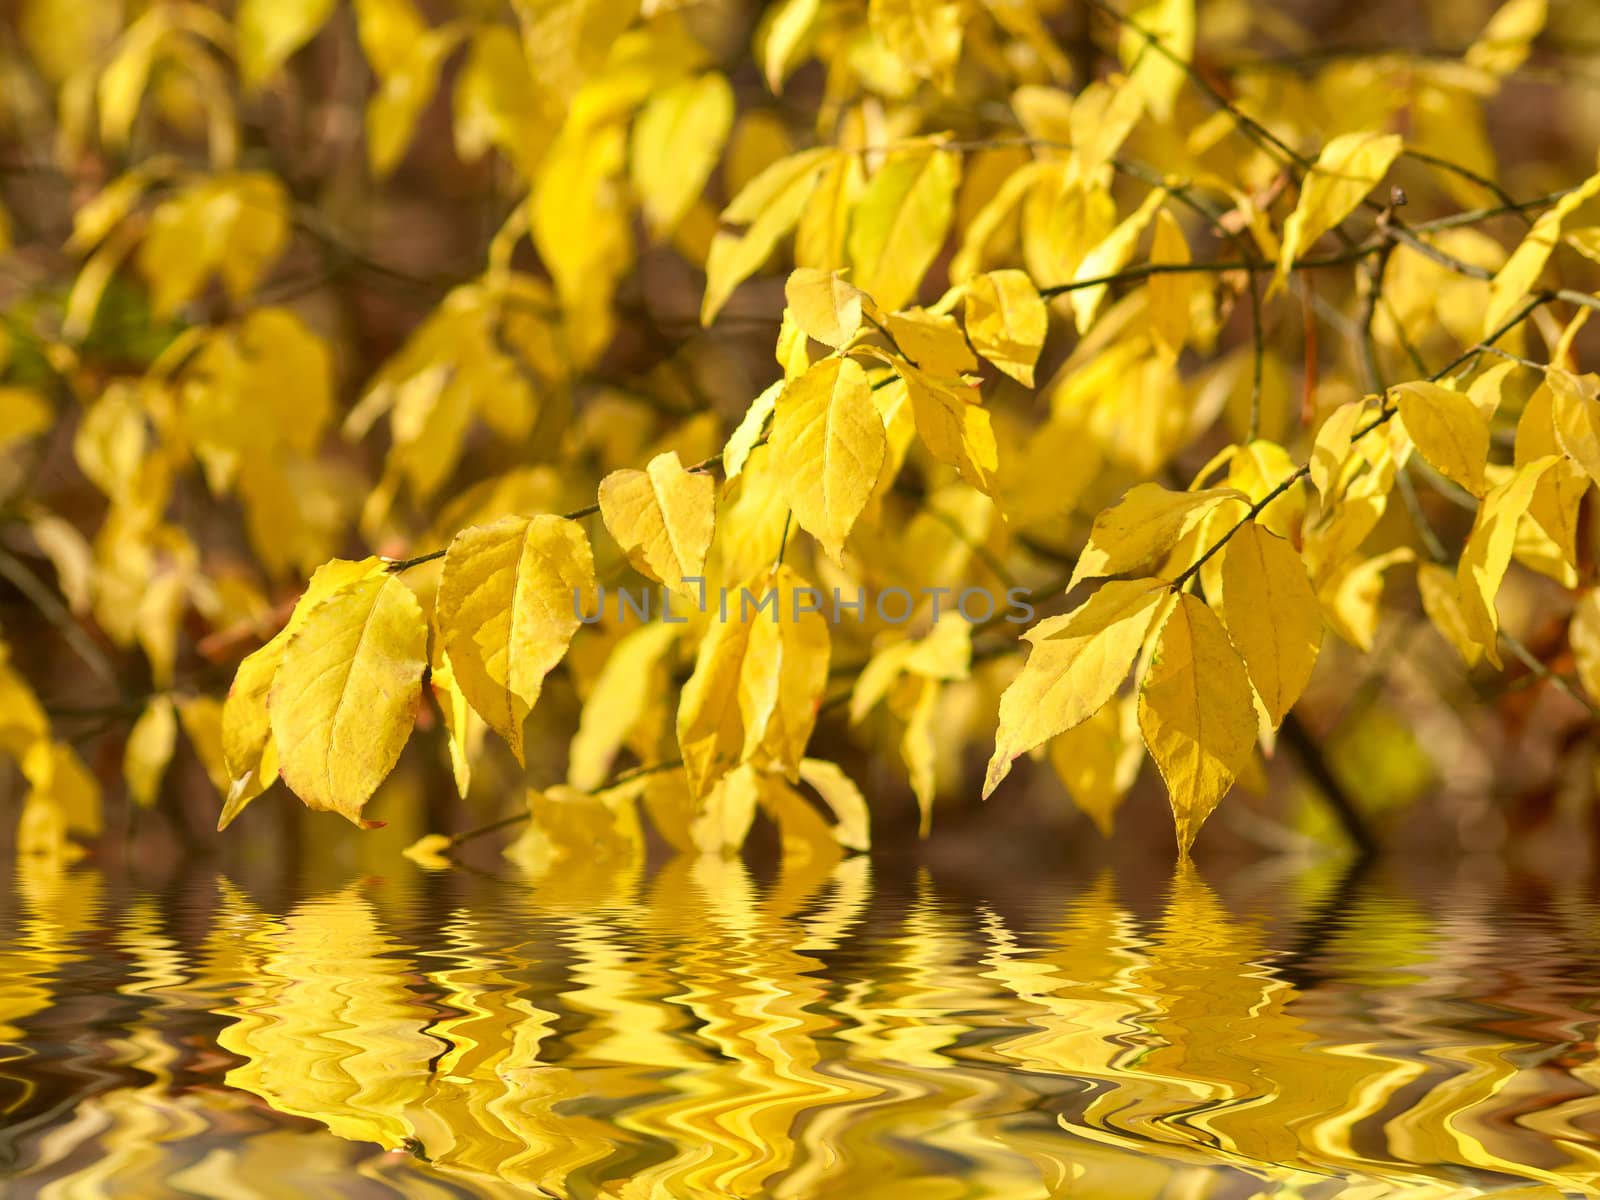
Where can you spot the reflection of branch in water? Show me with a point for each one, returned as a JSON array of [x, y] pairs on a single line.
[[1311, 935]]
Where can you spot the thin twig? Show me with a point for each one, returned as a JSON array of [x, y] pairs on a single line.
[[42, 598]]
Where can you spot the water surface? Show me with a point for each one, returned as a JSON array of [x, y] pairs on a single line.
[[820, 1030]]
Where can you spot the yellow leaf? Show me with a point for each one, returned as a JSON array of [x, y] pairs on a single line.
[[1007, 322], [824, 227], [1503, 45], [828, 446], [201, 718], [1350, 593], [710, 731], [497, 103], [1575, 415], [1272, 616], [110, 442], [1146, 522], [1488, 552], [510, 596], [900, 223], [405, 56], [1349, 167], [1170, 292], [626, 685], [839, 792], [934, 342], [1331, 449], [766, 208], [1075, 666], [663, 517], [1441, 600], [124, 79], [1196, 713], [22, 718], [70, 554], [677, 139], [919, 752], [743, 439], [1108, 257], [57, 777], [1449, 429], [232, 224], [804, 835], [1154, 75], [343, 702], [1584, 634], [728, 812], [458, 717], [1098, 760], [924, 34], [271, 30], [1260, 468], [956, 431], [994, 221], [150, 744], [23, 414], [782, 677], [1520, 273], [752, 522], [248, 750], [788, 28], [825, 307]]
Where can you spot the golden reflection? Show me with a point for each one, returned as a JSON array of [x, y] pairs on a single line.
[[594, 1029]]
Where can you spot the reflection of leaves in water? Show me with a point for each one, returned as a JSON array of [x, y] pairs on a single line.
[[328, 1025], [603, 1031]]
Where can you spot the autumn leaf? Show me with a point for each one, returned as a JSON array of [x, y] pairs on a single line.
[[1488, 552], [1349, 167], [1007, 322], [510, 599], [828, 446], [825, 306], [343, 701], [248, 749], [1075, 666], [662, 517], [1196, 714], [1271, 614], [901, 222], [1146, 522], [677, 139], [1449, 429]]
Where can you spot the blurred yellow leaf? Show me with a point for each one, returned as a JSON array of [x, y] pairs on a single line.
[[901, 221], [677, 139], [1349, 167], [150, 744], [754, 222], [271, 30], [235, 225]]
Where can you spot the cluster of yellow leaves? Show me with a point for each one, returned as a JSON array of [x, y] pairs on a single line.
[[920, 438]]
